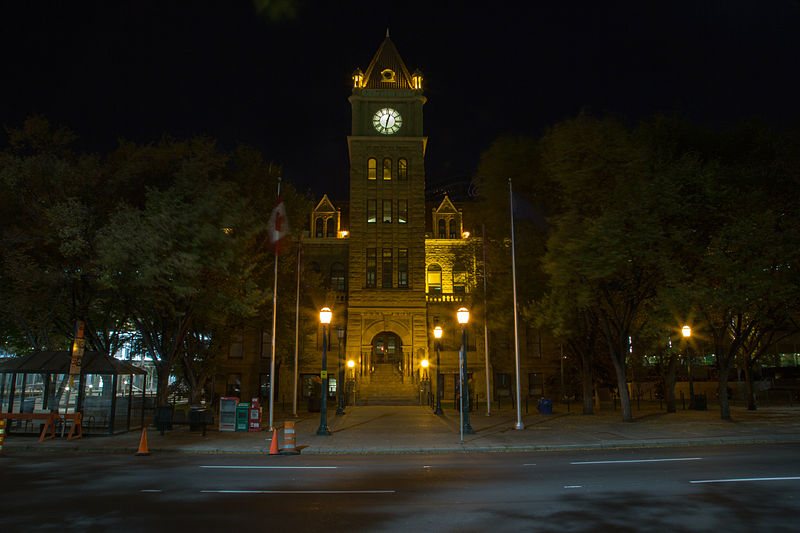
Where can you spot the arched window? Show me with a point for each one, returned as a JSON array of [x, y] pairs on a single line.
[[442, 228], [330, 228], [319, 227], [337, 277], [459, 278], [402, 169], [453, 229], [434, 279], [372, 168], [387, 169]]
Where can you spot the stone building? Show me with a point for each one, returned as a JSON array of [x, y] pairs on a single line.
[[394, 265]]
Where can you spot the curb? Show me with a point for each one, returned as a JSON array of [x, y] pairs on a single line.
[[670, 443]]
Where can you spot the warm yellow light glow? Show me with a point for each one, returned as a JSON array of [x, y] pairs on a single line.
[[463, 315], [325, 315], [424, 363], [351, 363], [344, 233], [465, 235], [687, 331], [227, 231], [437, 332], [416, 79], [358, 78]]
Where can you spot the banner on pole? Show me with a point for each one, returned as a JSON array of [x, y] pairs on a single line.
[[278, 228], [78, 347]]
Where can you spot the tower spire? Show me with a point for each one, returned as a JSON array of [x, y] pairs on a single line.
[[387, 32]]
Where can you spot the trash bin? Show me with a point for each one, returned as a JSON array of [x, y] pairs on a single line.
[[163, 418], [700, 402], [197, 418], [545, 406], [242, 416]]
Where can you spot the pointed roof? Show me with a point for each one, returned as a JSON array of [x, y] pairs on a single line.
[[387, 58], [325, 205], [446, 206]]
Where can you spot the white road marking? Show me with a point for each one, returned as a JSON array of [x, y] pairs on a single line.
[[743, 479], [637, 461], [273, 467], [298, 491], [150, 490], [573, 486]]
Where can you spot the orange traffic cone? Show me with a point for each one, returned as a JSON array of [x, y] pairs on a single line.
[[143, 444], [273, 448]]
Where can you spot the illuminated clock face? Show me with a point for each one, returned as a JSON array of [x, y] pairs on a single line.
[[387, 121]]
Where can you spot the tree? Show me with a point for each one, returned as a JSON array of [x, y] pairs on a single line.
[[51, 213], [598, 257]]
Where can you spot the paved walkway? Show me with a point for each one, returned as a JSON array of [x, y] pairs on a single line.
[[418, 430]]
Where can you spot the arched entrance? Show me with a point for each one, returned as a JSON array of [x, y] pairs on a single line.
[[387, 348]]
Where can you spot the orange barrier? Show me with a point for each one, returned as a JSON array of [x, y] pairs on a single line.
[[2, 433], [273, 447], [143, 444], [75, 432], [289, 439]]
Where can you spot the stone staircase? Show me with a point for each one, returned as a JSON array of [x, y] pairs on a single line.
[[386, 387]]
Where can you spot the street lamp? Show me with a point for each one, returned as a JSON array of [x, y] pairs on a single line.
[[687, 332], [463, 319], [340, 377], [437, 334], [351, 385], [325, 319]]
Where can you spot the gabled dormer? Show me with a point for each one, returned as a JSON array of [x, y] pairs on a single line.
[[325, 219], [447, 221]]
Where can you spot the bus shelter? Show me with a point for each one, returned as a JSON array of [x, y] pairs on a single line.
[[109, 393]]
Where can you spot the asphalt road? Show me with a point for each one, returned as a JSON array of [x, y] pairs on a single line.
[[709, 488]]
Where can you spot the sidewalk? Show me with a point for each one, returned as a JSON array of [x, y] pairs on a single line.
[[418, 430]]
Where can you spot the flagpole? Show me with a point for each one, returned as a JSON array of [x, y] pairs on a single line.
[[297, 325], [516, 328], [486, 325], [274, 316]]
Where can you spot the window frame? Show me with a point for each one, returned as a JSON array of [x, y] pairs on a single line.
[[386, 268], [386, 218], [402, 169], [371, 268], [387, 168], [402, 211], [372, 168], [372, 211]]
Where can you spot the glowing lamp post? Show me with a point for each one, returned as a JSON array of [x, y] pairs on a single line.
[[463, 319], [437, 335], [351, 385], [325, 319], [687, 332], [340, 375]]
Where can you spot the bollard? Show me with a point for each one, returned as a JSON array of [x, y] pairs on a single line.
[[289, 439]]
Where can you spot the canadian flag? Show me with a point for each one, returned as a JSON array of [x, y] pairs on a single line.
[[278, 227]]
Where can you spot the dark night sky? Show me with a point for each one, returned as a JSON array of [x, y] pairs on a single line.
[[137, 69]]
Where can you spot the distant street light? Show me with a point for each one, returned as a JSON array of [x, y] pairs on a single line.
[[340, 376], [463, 319], [687, 332], [325, 319], [437, 334]]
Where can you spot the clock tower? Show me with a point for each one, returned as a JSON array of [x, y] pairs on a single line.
[[386, 316]]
